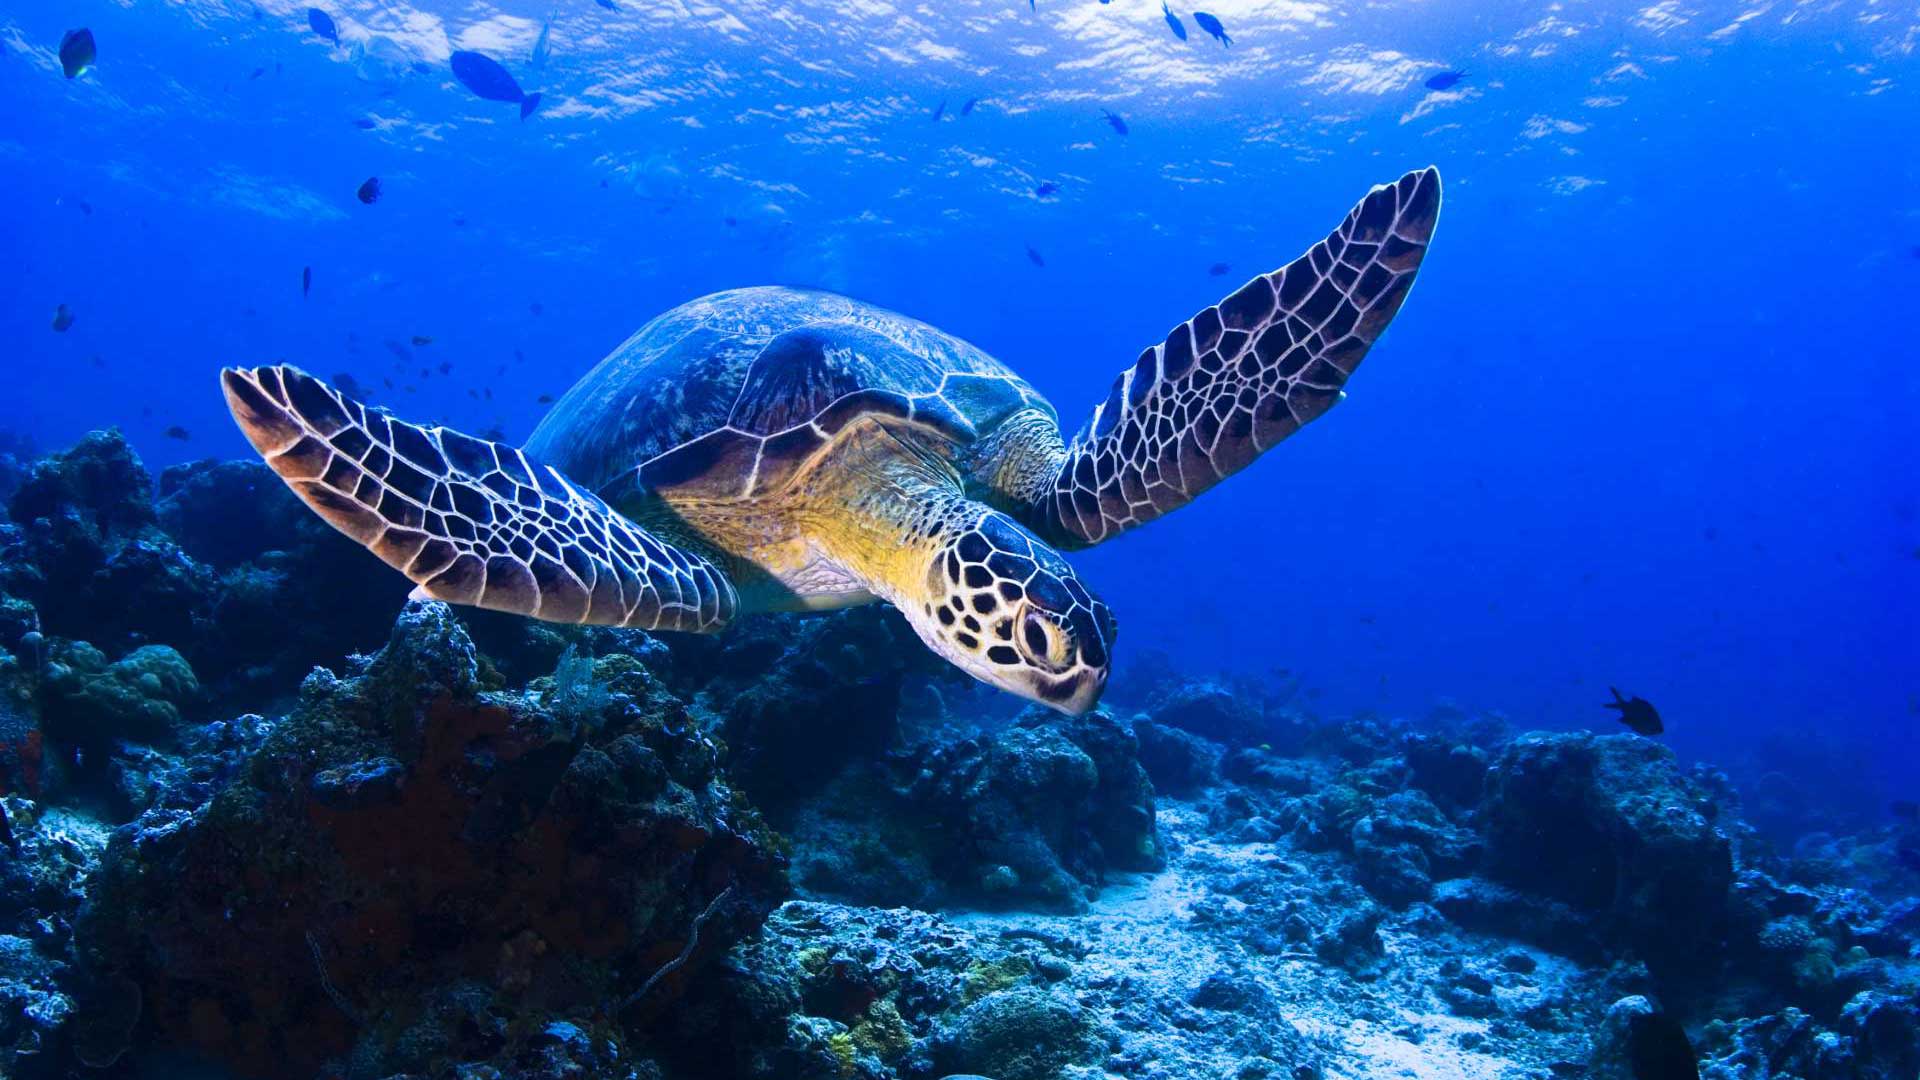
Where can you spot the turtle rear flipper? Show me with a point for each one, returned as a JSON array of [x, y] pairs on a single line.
[[470, 521], [1230, 383]]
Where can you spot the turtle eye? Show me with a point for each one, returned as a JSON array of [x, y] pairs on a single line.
[[1043, 640]]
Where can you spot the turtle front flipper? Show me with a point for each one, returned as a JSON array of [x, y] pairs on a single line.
[[470, 521], [1230, 383]]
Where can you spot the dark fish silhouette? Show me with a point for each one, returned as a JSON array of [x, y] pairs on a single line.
[[1657, 1049], [322, 24], [1637, 713], [257, 72], [1173, 21], [306, 280], [608, 4], [545, 399], [6, 832], [1218, 270], [62, 319], [967, 109], [178, 432], [1046, 188], [1114, 121], [76, 51], [369, 192], [445, 365], [940, 110], [1212, 26], [1904, 809], [1446, 80], [487, 79], [364, 124], [1034, 257], [535, 308], [422, 339]]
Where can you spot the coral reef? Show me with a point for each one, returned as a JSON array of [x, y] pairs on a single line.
[[262, 818], [409, 827]]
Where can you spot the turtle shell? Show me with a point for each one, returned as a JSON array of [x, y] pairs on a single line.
[[729, 395]]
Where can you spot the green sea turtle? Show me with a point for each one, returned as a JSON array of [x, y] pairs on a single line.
[[775, 449]]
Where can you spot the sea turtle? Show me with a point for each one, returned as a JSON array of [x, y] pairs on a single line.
[[777, 449]]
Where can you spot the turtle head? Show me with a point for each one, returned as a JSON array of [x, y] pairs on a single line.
[[1007, 609]]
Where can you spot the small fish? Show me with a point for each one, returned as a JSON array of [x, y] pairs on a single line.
[[519, 357], [1219, 270], [1904, 809], [1446, 80], [322, 24], [542, 45], [535, 307], [1114, 121], [483, 75], [257, 72], [1637, 713], [306, 281], [608, 4], [364, 123], [76, 52], [62, 319], [545, 399], [369, 192], [1034, 257], [348, 385], [86, 207], [422, 339], [1212, 26], [967, 109], [940, 110], [178, 432], [1173, 21], [398, 350], [446, 367], [6, 832], [1046, 188]]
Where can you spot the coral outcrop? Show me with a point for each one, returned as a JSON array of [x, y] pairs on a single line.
[[410, 827]]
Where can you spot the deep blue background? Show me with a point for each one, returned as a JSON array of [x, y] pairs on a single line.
[[1648, 418]]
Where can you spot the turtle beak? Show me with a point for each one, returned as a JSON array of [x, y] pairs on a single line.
[[1074, 694]]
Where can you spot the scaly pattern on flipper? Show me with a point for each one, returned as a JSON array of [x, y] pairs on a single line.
[[1230, 383], [471, 521]]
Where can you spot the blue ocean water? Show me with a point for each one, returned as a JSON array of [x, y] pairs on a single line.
[[1646, 420]]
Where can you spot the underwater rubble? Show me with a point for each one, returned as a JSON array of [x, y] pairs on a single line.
[[264, 818]]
